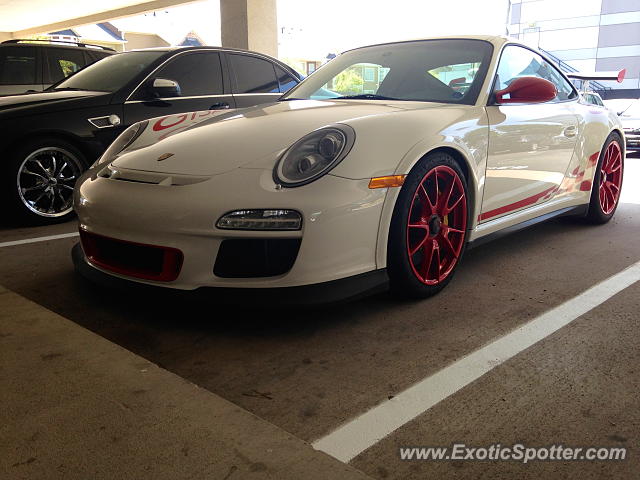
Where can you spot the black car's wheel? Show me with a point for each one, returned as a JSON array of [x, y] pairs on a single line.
[[607, 181], [40, 181], [429, 227]]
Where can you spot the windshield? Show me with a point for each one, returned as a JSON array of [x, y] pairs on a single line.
[[111, 73], [448, 71]]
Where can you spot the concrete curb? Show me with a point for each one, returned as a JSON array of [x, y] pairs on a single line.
[[75, 405]]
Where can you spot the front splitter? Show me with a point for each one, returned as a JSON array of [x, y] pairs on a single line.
[[325, 293]]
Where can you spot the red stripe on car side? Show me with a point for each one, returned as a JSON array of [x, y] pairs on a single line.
[[516, 205], [593, 159]]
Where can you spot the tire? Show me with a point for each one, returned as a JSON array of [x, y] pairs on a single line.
[[38, 188], [607, 181], [427, 239]]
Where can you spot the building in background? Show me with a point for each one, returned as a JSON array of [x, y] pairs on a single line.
[[191, 39], [304, 66], [103, 34], [585, 35], [136, 40], [107, 35]]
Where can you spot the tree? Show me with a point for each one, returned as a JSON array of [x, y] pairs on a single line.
[[348, 82], [68, 67]]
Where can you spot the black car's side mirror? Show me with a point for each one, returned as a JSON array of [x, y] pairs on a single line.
[[165, 88]]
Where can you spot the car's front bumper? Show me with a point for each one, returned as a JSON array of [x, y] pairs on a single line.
[[335, 291], [338, 238]]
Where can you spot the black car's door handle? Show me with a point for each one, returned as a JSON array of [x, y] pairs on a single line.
[[219, 106]]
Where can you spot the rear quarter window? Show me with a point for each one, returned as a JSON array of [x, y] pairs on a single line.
[[286, 81], [62, 62], [94, 56], [18, 65], [253, 75]]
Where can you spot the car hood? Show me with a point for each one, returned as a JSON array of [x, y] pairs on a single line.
[[56, 99], [211, 143]]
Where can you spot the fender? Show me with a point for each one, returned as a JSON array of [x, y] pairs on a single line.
[[467, 144]]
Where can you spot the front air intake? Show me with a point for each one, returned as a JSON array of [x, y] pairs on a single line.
[[149, 262], [254, 257]]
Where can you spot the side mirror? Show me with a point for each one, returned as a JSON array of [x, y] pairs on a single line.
[[527, 90], [164, 88]]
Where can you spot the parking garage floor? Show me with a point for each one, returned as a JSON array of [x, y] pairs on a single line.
[[310, 371]]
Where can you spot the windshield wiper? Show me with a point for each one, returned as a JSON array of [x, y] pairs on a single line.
[[364, 96]]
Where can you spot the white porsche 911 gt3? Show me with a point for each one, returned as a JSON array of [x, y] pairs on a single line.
[[375, 171]]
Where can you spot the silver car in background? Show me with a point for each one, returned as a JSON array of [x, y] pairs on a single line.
[[628, 109]]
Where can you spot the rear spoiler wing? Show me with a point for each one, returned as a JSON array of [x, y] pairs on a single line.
[[617, 76]]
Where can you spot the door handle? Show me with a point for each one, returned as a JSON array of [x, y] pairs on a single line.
[[219, 106], [570, 131]]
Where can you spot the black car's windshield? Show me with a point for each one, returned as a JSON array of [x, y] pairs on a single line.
[[111, 73], [448, 71]]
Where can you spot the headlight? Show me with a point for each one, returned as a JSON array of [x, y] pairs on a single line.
[[314, 155], [125, 139], [260, 219]]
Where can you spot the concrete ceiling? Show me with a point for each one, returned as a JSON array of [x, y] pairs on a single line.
[[26, 17]]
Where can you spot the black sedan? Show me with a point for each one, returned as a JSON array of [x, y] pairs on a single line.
[[48, 139]]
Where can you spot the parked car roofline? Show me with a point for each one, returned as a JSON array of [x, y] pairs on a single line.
[[58, 43], [182, 50]]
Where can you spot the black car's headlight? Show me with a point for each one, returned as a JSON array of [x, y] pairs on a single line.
[[125, 139], [314, 155]]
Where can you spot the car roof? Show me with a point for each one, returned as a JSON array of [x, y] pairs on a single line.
[[191, 47], [171, 49], [30, 42], [496, 40]]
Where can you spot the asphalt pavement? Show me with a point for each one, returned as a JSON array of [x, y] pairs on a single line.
[[310, 371]]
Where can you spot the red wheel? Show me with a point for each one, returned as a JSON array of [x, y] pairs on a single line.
[[607, 181], [436, 225], [610, 178], [429, 227]]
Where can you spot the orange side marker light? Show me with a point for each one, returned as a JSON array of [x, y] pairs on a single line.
[[387, 182]]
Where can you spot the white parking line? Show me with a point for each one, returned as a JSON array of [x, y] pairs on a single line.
[[38, 239], [366, 430]]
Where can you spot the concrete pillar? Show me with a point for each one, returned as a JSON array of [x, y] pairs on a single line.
[[250, 24]]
